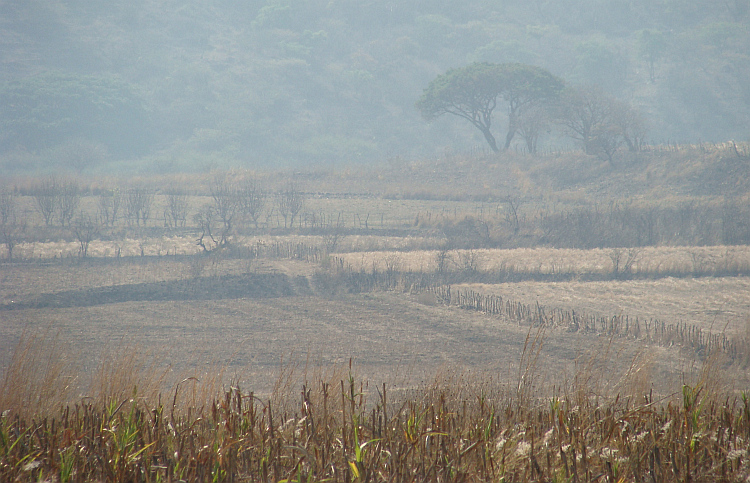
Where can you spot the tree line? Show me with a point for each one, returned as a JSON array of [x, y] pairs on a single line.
[[233, 202]]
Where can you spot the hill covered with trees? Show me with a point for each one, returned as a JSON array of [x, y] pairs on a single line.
[[158, 86]]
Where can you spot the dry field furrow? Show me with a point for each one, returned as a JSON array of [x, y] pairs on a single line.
[[27, 281], [388, 336]]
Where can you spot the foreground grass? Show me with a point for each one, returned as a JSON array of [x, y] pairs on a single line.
[[330, 435], [338, 428]]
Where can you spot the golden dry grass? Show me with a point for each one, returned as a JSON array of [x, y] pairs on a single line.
[[558, 260], [715, 304]]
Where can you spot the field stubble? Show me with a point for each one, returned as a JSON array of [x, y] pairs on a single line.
[[389, 336]]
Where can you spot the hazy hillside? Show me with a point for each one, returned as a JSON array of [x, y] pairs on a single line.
[[146, 85]]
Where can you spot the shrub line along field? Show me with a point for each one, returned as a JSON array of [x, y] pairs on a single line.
[[646, 261]]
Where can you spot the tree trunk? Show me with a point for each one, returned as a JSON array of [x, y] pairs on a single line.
[[512, 127], [531, 143], [490, 140]]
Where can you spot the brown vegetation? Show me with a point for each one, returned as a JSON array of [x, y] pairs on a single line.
[[506, 323], [457, 428]]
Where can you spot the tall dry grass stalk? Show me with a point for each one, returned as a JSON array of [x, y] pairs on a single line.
[[327, 425], [38, 378], [123, 371]]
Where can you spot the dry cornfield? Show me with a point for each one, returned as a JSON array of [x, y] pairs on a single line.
[[456, 428]]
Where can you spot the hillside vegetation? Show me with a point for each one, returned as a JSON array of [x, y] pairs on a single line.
[[158, 86]]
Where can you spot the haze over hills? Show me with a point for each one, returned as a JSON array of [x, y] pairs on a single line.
[[161, 86]]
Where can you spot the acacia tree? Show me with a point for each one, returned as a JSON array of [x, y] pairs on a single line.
[[473, 92]]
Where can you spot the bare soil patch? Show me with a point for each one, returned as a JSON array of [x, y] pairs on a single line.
[[388, 337]]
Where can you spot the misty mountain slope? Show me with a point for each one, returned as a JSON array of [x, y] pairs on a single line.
[[168, 85]]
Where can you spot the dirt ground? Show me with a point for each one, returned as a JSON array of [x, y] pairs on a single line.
[[403, 339]]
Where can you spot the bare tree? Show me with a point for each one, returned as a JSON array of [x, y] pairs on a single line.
[[442, 257], [290, 202], [11, 234], [147, 200], [333, 235], [467, 261], [68, 198], [532, 123], [511, 216], [601, 123], [109, 206], [585, 111], [45, 198], [605, 142], [206, 219], [252, 200], [85, 229], [225, 196], [623, 261], [138, 205], [177, 207], [632, 127], [7, 206]]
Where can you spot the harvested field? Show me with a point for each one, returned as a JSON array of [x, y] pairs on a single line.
[[388, 337], [268, 321], [714, 304]]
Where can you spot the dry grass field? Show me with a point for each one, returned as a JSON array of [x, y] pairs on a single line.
[[184, 351], [388, 222], [648, 260], [715, 304], [398, 337]]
